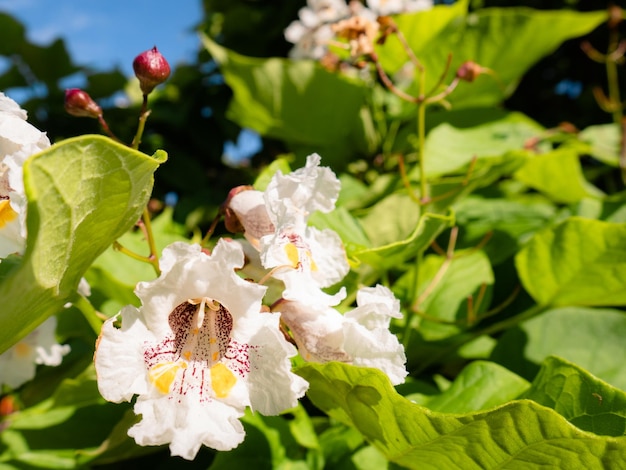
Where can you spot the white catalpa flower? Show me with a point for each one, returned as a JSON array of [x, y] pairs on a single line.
[[360, 337], [18, 364], [18, 141], [304, 258], [275, 223], [197, 352], [393, 7]]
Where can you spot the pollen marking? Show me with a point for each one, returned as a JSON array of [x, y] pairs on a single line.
[[7, 214], [162, 375], [222, 380], [22, 349]]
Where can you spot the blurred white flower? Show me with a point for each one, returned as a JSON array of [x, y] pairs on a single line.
[[18, 364], [393, 7], [197, 352], [18, 141], [311, 33], [360, 337]]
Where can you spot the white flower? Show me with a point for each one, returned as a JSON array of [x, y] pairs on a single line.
[[291, 198], [197, 352], [360, 337], [18, 141], [306, 258], [392, 7], [275, 223], [311, 33], [18, 364]]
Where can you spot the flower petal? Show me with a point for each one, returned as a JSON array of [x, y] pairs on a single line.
[[119, 359], [273, 387]]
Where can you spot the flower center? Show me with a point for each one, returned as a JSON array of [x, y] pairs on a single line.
[[298, 253], [190, 359]]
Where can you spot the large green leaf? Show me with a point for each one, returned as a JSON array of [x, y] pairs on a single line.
[[593, 338], [559, 175], [479, 386], [444, 287], [603, 141], [511, 222], [578, 262], [448, 148], [506, 40], [83, 194], [297, 101], [518, 434], [584, 400]]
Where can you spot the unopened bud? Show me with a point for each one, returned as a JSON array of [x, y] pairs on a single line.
[[615, 16], [79, 103], [151, 69], [469, 71]]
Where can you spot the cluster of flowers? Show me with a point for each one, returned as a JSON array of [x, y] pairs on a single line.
[[323, 20], [215, 333], [18, 141]]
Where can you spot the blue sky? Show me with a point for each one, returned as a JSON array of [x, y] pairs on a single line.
[[103, 34]]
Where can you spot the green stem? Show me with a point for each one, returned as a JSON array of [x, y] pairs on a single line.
[[410, 313], [89, 312], [154, 259], [612, 79], [421, 137]]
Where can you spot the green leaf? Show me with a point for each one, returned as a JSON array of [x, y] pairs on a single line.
[[593, 338], [291, 101], [518, 434], [506, 40], [578, 262], [585, 401], [418, 29], [83, 193], [448, 148], [604, 142], [511, 222], [558, 175], [394, 253], [114, 275], [479, 386], [444, 287]]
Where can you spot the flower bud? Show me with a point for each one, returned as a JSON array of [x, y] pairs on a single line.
[[469, 71], [616, 16], [151, 69], [79, 103]]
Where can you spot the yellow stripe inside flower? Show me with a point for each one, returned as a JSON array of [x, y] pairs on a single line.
[[222, 380], [162, 375], [293, 255], [7, 214], [22, 349]]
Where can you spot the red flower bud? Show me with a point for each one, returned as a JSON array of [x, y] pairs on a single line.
[[79, 103], [151, 69], [469, 71]]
